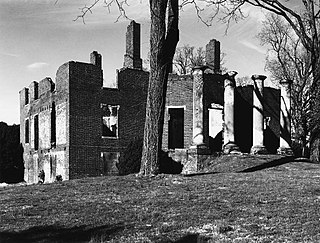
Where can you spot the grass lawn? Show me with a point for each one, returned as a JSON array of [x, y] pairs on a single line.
[[237, 199]]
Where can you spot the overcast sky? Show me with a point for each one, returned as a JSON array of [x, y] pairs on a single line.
[[37, 36]]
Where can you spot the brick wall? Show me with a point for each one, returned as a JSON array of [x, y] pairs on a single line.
[[45, 127], [86, 96], [179, 94], [85, 82], [41, 97], [131, 96]]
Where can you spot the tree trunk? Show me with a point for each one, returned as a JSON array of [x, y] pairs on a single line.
[[164, 36]]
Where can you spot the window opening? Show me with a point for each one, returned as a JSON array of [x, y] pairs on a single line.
[[26, 100], [26, 130], [36, 132], [53, 125], [110, 120]]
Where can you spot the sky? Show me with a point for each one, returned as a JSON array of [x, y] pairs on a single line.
[[38, 36]]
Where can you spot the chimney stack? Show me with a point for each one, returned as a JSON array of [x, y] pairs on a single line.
[[132, 56], [213, 55], [96, 59]]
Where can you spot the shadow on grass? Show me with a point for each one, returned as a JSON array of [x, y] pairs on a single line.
[[58, 234], [192, 238], [200, 174], [270, 164]]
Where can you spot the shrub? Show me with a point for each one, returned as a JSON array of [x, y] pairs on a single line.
[[130, 159], [168, 165]]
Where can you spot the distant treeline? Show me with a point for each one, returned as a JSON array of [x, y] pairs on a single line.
[[11, 154]]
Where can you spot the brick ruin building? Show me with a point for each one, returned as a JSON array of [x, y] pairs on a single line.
[[75, 127]]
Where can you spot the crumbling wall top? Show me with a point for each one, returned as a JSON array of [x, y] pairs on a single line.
[[46, 85], [96, 59], [34, 91]]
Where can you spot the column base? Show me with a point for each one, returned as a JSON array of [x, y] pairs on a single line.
[[230, 148], [258, 149], [196, 155], [200, 148], [285, 151]]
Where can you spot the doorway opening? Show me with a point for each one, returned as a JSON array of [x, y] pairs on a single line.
[[176, 128]]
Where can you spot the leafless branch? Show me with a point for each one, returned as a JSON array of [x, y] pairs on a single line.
[[84, 10], [108, 4]]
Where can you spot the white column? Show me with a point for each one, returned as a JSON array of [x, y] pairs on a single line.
[[258, 126], [198, 116], [199, 149], [229, 144], [285, 118]]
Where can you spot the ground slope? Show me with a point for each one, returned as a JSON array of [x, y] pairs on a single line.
[[238, 199]]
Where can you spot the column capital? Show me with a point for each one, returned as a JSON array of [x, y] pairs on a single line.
[[230, 79], [231, 74], [258, 77]]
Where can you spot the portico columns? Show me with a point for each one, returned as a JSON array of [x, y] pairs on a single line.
[[199, 150], [200, 138], [285, 118], [258, 119], [229, 144]]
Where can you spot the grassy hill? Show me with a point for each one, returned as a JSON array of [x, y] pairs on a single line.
[[237, 199]]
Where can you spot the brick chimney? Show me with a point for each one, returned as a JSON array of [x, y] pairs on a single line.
[[96, 59], [132, 56], [213, 55]]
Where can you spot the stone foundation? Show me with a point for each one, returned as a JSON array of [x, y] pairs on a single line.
[[285, 151], [258, 149], [230, 148], [192, 159]]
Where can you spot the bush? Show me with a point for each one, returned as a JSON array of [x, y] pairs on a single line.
[[130, 159], [168, 165]]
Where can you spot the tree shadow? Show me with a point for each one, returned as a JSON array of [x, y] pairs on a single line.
[[270, 164], [58, 234], [201, 173]]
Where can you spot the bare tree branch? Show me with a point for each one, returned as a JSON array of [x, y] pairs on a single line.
[[292, 62], [108, 4]]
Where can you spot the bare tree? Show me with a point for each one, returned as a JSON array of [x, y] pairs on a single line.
[[164, 36], [184, 59], [187, 57], [288, 59], [244, 81]]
